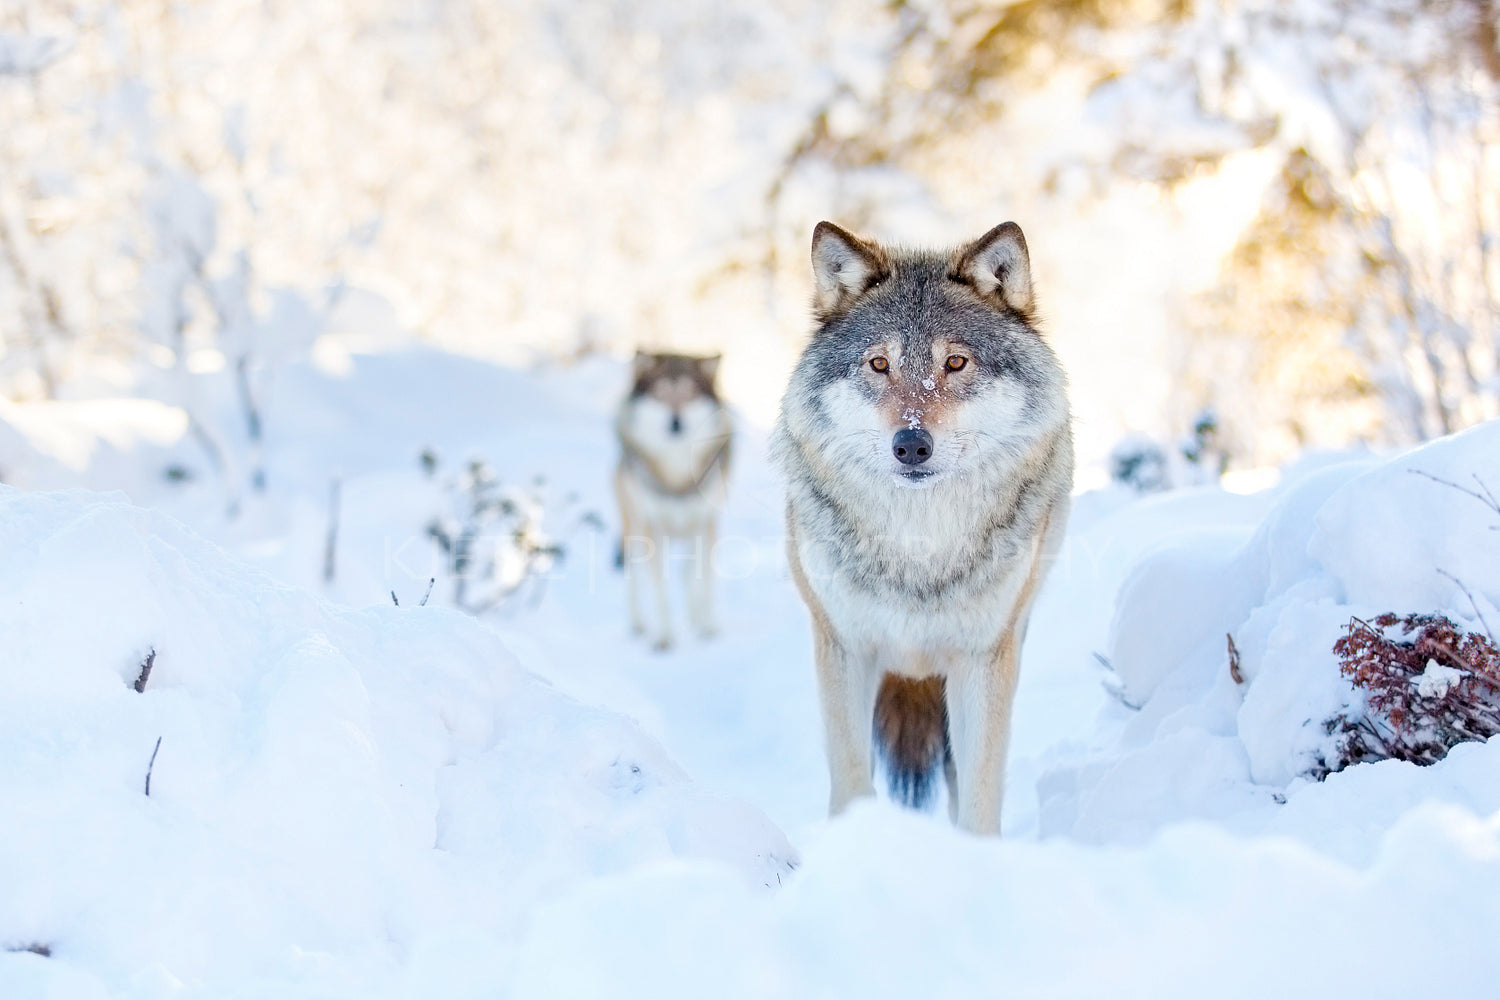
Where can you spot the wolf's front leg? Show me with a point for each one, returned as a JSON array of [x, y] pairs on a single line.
[[661, 639], [634, 550], [847, 694], [980, 694], [702, 580]]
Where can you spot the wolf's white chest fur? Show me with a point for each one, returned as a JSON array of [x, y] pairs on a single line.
[[953, 584], [683, 461]]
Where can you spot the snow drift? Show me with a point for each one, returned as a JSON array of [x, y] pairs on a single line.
[[1353, 538], [343, 802]]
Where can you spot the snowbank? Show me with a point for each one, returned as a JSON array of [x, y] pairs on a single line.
[[1355, 538], [892, 905], [344, 803]]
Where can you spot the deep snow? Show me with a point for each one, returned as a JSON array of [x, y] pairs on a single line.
[[357, 800]]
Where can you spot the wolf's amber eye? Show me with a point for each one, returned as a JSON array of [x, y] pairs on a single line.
[[956, 362], [879, 364]]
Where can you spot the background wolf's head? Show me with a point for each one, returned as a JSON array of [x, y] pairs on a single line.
[[673, 397], [924, 364]]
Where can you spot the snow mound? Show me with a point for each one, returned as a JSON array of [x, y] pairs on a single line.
[[892, 905], [343, 802], [1415, 533]]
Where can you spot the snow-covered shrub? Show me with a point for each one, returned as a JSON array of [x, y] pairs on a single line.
[[493, 539], [1139, 463], [1146, 466], [1428, 685], [1202, 451]]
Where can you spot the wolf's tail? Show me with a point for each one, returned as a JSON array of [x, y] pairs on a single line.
[[911, 733]]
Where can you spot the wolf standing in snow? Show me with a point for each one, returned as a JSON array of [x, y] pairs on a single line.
[[926, 441], [671, 483]]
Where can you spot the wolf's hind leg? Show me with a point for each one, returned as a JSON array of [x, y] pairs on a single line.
[[632, 550]]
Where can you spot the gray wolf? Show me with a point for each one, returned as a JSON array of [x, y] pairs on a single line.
[[671, 483], [927, 446]]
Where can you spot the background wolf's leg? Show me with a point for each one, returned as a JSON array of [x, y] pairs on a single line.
[[662, 637], [979, 704], [633, 583], [631, 546], [701, 585], [846, 691]]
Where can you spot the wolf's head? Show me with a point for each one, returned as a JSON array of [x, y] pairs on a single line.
[[673, 395], [924, 364]]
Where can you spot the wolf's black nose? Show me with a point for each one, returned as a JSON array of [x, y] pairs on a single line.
[[912, 446], [676, 425]]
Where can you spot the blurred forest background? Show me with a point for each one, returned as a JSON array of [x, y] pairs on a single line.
[[1284, 213]]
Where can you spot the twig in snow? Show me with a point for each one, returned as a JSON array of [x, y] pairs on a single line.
[[35, 948], [252, 420], [330, 548], [426, 594], [1113, 683], [1472, 603], [145, 674], [1484, 495], [151, 765], [1234, 659]]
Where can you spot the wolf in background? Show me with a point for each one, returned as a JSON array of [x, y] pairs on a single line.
[[671, 483], [926, 442]]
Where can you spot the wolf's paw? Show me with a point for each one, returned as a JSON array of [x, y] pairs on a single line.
[[637, 628], [708, 633], [661, 644]]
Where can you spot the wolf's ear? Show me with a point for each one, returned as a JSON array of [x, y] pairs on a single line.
[[709, 366], [844, 268], [998, 267]]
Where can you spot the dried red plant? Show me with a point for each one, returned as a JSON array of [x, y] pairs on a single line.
[[1427, 684]]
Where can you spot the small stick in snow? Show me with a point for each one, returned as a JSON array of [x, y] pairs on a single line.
[[1473, 604], [1234, 659], [145, 674], [330, 547], [423, 602], [151, 766], [35, 948]]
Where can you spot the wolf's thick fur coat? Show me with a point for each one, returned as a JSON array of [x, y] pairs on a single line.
[[919, 572]]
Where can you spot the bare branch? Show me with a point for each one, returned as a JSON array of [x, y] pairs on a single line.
[[1234, 659], [145, 674], [1472, 603], [330, 545], [430, 581], [151, 766], [1484, 495], [35, 948]]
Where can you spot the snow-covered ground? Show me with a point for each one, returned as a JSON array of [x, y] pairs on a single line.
[[356, 799]]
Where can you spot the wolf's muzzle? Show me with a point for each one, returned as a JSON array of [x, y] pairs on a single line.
[[912, 446]]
